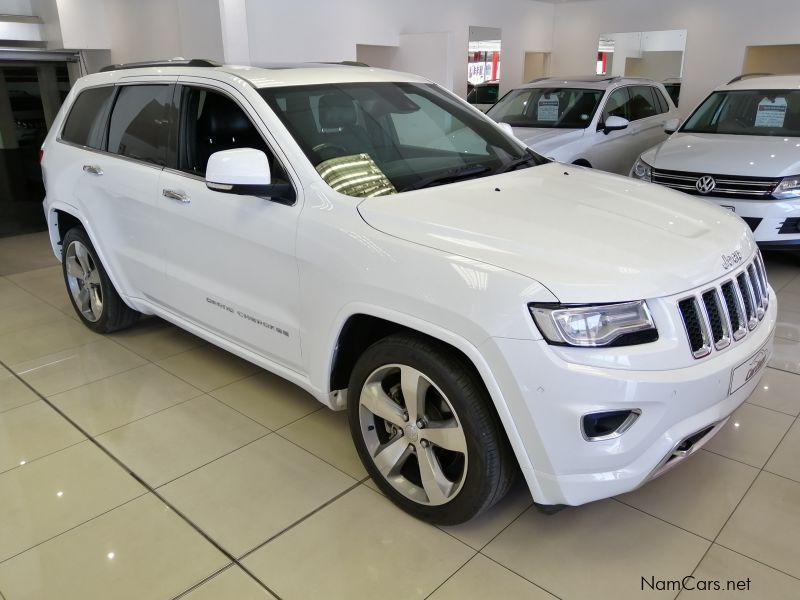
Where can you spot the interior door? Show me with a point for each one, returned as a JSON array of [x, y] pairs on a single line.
[[230, 259]]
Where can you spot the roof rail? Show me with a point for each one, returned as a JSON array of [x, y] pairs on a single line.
[[173, 62], [748, 76], [347, 63]]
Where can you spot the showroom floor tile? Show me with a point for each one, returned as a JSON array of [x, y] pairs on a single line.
[[355, 546], [170, 443], [213, 479], [141, 549], [252, 494], [751, 434], [551, 550]]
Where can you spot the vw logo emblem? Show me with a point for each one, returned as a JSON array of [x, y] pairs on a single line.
[[705, 184]]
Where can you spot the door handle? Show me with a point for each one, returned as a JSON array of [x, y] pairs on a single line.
[[92, 169], [176, 195]]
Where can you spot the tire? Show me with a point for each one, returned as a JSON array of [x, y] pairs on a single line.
[[408, 460], [90, 290]]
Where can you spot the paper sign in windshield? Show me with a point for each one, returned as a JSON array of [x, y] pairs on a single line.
[[547, 109], [771, 113]]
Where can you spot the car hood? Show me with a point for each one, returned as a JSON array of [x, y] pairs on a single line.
[[587, 236], [716, 154], [544, 140]]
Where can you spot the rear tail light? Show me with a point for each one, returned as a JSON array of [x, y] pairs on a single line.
[[41, 154]]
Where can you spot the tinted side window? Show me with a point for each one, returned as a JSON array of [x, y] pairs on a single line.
[[643, 103], [663, 105], [139, 125], [87, 117], [213, 122], [617, 104], [487, 94]]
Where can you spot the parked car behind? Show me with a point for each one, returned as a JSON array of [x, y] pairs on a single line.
[[740, 148], [483, 95], [599, 122]]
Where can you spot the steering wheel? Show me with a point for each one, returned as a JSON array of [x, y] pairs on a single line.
[[332, 150], [741, 121]]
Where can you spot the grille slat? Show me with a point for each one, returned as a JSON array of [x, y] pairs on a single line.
[[726, 185], [719, 325], [719, 316]]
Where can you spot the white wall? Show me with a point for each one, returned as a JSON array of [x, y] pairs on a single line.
[[265, 31], [718, 31], [158, 29], [83, 24], [16, 7], [311, 30]]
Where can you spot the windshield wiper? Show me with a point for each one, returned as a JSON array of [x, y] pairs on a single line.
[[526, 158], [448, 177]]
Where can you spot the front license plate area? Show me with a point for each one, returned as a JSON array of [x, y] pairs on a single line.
[[749, 369]]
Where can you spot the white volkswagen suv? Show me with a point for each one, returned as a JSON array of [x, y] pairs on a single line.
[[740, 148], [477, 309], [602, 122]]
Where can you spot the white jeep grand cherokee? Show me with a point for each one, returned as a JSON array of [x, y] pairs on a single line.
[[375, 240]]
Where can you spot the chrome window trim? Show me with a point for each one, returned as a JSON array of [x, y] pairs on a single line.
[[111, 154]]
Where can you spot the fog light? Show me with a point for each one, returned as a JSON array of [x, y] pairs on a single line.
[[607, 424]]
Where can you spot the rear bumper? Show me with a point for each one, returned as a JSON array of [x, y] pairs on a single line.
[[548, 398]]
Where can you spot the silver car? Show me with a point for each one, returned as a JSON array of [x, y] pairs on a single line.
[[601, 122]]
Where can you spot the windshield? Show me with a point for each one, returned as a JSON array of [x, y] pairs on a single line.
[[748, 112], [370, 139], [571, 108]]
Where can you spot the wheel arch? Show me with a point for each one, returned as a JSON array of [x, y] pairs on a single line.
[[62, 218], [582, 162], [361, 328]]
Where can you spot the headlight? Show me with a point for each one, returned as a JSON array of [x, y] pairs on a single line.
[[641, 170], [789, 187], [622, 324]]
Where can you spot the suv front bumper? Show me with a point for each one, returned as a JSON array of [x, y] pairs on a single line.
[[774, 223], [548, 397]]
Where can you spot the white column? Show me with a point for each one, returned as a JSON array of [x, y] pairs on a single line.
[[8, 131], [235, 41]]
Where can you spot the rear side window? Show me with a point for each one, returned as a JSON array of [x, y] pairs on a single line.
[[139, 126], [87, 117], [643, 103], [663, 105]]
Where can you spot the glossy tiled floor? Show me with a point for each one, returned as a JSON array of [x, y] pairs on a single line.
[[205, 478]]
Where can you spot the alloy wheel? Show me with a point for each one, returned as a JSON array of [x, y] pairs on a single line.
[[83, 279], [413, 435]]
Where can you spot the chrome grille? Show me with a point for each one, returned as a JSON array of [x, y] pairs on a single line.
[[720, 315], [725, 185]]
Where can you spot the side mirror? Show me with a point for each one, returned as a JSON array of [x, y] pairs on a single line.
[[245, 171], [507, 129], [615, 124], [672, 126]]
